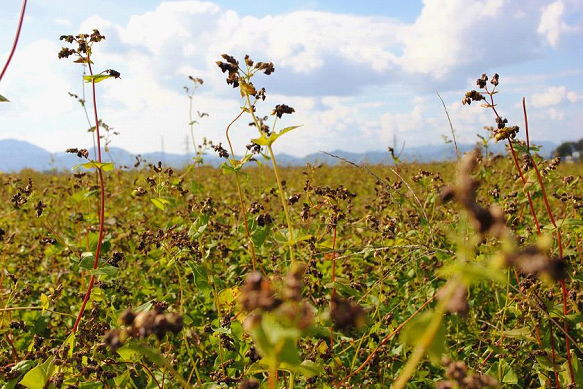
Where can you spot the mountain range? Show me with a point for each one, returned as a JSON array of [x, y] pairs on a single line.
[[16, 155]]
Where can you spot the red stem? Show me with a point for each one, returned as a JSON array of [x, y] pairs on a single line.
[[101, 205], [23, 9], [515, 158], [383, 342], [559, 242], [526, 124], [530, 202], [557, 384], [333, 282]]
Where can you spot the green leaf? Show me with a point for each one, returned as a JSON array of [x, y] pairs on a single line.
[[128, 354], [287, 129], [90, 385], [198, 227], [307, 368], [160, 203], [287, 352], [3, 99], [199, 276], [259, 235], [144, 307], [105, 166], [268, 141], [472, 273], [263, 141], [70, 341], [510, 377], [414, 331], [227, 168], [38, 377], [96, 78], [523, 332], [23, 366], [157, 358], [106, 270]]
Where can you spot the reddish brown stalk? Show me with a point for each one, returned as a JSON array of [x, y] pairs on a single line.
[[515, 158], [554, 355], [559, 240], [530, 202], [384, 341], [531, 205], [101, 205], [333, 281], [526, 124], [15, 43]]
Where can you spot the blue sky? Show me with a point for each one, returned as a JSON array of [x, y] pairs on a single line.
[[357, 73]]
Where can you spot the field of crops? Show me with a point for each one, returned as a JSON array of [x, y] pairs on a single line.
[[384, 272]]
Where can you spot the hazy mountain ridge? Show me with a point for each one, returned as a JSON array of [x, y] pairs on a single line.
[[16, 155]]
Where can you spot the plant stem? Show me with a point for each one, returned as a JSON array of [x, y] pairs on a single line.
[[559, 239], [16, 37], [101, 204], [515, 158], [291, 243], [386, 339], [241, 199], [530, 202], [457, 152], [426, 338], [333, 282], [284, 205], [273, 377]]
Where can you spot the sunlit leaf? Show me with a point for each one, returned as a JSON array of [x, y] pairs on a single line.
[[38, 377], [96, 78], [105, 166]]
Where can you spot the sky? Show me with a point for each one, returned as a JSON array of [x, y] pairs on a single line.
[[359, 74]]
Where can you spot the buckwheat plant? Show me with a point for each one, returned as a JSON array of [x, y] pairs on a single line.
[[240, 76], [529, 173], [82, 52], [190, 91]]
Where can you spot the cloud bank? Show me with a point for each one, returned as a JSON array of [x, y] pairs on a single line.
[[355, 81]]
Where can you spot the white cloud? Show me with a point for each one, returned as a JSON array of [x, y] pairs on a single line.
[[330, 67], [555, 95], [63, 22], [553, 25]]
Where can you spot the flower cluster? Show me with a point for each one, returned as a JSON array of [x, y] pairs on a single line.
[[486, 220], [533, 261], [142, 325], [231, 67], [460, 377], [81, 153], [502, 131], [258, 295], [84, 43]]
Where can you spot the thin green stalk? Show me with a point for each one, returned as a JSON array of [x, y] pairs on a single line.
[[273, 377], [278, 179], [241, 198], [426, 339], [284, 205]]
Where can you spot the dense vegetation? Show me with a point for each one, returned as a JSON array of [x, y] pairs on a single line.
[[190, 258], [567, 148]]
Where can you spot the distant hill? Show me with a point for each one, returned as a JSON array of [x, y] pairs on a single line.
[[16, 155]]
